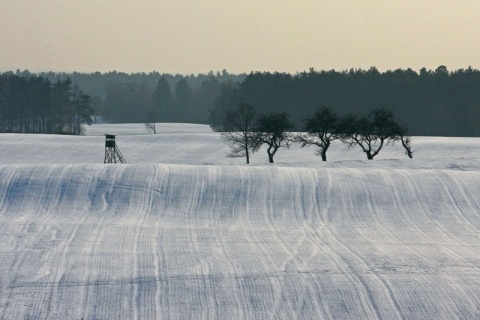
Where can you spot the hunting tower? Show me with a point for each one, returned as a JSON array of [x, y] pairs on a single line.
[[112, 153]]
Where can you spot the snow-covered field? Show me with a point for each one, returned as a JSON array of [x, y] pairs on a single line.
[[184, 232]]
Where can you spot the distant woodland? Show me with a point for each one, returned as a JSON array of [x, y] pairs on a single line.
[[429, 102], [37, 105]]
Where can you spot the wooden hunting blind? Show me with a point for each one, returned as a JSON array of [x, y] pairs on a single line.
[[112, 153], [109, 141]]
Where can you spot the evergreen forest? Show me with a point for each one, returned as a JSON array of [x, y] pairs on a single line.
[[436, 102]]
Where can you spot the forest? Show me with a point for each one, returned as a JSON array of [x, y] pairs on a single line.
[[429, 103], [36, 105], [436, 102]]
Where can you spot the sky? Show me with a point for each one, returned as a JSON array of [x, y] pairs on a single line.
[[197, 36]]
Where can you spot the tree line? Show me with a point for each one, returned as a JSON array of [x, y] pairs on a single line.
[[433, 102], [130, 102], [246, 133], [183, 102], [138, 97], [94, 83], [36, 105]]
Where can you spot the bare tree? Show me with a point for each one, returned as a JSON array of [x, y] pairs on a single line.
[[321, 131], [272, 130], [152, 119], [405, 139], [406, 143], [238, 131], [370, 133]]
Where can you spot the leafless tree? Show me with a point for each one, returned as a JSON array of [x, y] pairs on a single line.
[[238, 129], [406, 143], [321, 131], [370, 133], [272, 130], [405, 139], [152, 119]]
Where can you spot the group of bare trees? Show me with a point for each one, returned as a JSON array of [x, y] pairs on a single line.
[[246, 133]]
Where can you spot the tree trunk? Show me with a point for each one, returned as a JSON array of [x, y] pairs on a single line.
[[406, 145], [369, 156], [247, 155], [324, 155], [270, 153]]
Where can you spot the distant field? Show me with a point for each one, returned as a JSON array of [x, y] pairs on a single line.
[[184, 232]]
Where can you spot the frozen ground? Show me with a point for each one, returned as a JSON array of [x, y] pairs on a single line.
[[184, 232]]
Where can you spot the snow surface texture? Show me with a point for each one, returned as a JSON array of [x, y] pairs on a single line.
[[183, 232]]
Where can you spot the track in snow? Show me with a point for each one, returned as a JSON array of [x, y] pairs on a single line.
[[182, 242]]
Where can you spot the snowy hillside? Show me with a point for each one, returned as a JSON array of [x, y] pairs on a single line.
[[184, 232]]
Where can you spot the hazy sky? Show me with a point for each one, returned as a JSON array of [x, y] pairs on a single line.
[[191, 36]]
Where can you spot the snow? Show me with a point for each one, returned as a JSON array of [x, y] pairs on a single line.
[[184, 232]]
